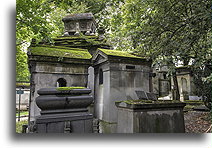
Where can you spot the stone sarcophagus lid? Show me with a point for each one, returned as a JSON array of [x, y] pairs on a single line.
[[79, 23]]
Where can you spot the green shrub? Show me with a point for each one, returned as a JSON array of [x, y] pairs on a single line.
[[19, 125]]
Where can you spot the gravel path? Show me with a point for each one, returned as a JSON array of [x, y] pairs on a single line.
[[197, 122]]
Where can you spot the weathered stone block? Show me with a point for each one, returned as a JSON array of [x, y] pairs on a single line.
[[155, 117]]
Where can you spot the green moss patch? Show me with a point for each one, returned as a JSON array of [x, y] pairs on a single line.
[[194, 102], [61, 52], [118, 53], [81, 40], [188, 107], [68, 88]]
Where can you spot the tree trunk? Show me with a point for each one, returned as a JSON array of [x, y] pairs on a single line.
[[176, 88]]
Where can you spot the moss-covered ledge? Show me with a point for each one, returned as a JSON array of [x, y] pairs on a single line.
[[149, 104], [81, 41], [68, 88], [119, 53], [60, 52], [116, 56]]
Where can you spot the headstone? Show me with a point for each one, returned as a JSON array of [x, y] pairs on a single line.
[[141, 95], [151, 96]]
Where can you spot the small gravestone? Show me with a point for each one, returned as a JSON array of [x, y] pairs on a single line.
[[141, 95], [151, 96], [145, 95]]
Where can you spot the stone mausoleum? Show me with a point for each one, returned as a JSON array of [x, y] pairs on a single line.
[[118, 75], [82, 58]]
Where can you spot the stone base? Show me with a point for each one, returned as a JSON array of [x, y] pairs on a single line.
[[107, 127], [66, 121]]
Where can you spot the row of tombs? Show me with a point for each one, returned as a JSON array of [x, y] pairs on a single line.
[[80, 83]]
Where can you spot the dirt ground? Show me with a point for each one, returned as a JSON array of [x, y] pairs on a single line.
[[197, 122]]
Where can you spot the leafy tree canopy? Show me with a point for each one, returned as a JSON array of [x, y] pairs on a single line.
[[177, 29]]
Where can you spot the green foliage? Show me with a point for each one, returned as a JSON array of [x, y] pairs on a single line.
[[19, 125], [30, 23], [176, 28], [203, 81], [22, 113], [22, 73]]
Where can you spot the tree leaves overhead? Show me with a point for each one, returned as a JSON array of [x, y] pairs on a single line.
[[179, 28], [164, 30]]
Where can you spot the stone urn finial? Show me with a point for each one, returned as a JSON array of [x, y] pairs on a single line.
[[79, 23]]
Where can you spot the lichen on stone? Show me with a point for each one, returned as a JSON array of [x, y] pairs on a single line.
[[68, 88], [119, 53]]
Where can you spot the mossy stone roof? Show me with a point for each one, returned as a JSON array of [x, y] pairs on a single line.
[[119, 53], [57, 51]]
